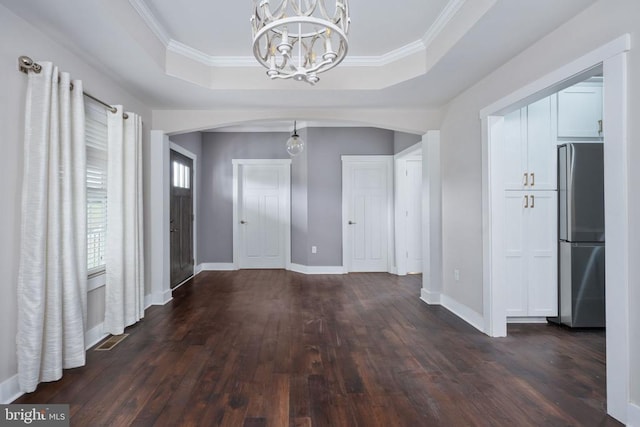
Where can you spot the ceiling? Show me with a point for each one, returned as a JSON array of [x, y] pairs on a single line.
[[196, 54]]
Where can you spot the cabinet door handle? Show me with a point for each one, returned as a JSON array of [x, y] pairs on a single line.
[[533, 201], [533, 180], [526, 179], [526, 202], [600, 127]]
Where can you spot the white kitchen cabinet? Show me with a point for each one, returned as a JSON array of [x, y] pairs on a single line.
[[530, 253], [529, 149], [580, 111]]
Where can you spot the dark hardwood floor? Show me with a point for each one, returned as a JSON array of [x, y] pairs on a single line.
[[274, 348]]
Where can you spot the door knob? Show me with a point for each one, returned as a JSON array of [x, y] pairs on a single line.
[[243, 222], [351, 223], [173, 230]]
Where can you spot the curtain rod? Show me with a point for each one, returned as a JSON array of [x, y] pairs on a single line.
[[25, 64]]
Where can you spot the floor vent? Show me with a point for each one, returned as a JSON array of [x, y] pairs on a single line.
[[111, 342]]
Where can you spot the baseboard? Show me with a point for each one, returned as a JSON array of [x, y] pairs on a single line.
[[197, 269], [526, 320], [431, 298], [633, 415], [216, 266], [10, 390], [462, 311], [312, 269], [94, 335], [159, 298], [148, 301]]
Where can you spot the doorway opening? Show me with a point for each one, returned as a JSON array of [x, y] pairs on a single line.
[[611, 60]]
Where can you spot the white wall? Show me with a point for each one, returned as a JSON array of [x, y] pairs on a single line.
[[461, 151], [20, 38]]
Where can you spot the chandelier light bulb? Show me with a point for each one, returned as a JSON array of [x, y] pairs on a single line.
[[295, 144]]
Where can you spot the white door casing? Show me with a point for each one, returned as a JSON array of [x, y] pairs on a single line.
[[367, 213], [261, 213]]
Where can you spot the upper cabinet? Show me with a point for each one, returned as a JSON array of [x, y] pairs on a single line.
[[580, 111], [529, 151]]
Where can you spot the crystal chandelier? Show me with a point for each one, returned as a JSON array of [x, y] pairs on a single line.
[[299, 39]]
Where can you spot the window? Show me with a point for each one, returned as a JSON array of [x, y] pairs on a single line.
[[181, 175], [96, 141]]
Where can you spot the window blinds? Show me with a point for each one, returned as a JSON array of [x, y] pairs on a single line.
[[96, 142]]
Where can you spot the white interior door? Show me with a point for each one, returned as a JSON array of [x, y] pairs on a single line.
[[263, 215], [366, 212], [408, 213], [413, 216]]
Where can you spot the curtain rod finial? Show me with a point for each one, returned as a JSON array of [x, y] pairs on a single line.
[[25, 64]]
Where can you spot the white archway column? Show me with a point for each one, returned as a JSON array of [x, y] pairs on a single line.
[[431, 219]]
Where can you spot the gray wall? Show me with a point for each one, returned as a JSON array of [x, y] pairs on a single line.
[[215, 227], [316, 188], [403, 140], [193, 142]]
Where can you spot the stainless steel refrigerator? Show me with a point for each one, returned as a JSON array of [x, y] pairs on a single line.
[[581, 287]]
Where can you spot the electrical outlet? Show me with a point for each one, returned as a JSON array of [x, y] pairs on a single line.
[[456, 275], [314, 249]]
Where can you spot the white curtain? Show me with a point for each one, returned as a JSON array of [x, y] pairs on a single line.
[[124, 304], [52, 278]]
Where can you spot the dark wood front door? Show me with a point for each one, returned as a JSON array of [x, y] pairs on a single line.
[[181, 220]]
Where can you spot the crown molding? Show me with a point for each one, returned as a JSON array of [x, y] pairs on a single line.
[[442, 20], [212, 61], [387, 58], [418, 46], [141, 7]]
